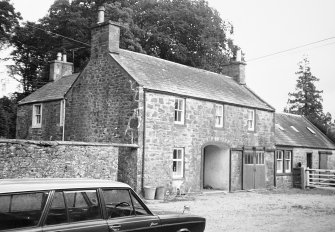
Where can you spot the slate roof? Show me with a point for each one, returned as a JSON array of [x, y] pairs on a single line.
[[162, 75], [303, 138], [51, 91]]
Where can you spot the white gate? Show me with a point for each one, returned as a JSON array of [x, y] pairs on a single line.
[[320, 178]]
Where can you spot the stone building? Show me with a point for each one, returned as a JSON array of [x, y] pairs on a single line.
[[194, 129], [299, 142]]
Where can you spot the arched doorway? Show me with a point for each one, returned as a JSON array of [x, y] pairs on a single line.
[[215, 167]]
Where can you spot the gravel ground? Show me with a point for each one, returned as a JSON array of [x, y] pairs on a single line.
[[267, 210]]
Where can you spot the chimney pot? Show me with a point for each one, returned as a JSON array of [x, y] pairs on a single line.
[[64, 58], [239, 55], [59, 56], [101, 14]]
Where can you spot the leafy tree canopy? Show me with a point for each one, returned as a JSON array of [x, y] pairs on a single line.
[[7, 117], [183, 31], [8, 20]]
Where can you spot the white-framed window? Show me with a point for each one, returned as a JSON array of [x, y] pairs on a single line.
[[62, 113], [279, 157], [288, 161], [179, 110], [178, 163], [37, 115], [251, 120], [218, 115], [284, 161]]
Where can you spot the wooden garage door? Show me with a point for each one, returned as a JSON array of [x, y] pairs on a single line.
[[253, 170]]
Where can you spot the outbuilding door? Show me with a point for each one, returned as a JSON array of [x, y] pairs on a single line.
[[253, 170]]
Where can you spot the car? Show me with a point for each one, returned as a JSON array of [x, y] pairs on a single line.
[[43, 205]]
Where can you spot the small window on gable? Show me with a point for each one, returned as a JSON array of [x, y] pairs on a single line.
[[218, 115], [251, 120], [310, 130], [37, 115], [179, 110], [295, 129]]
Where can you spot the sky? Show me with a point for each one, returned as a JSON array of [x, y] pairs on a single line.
[[263, 27]]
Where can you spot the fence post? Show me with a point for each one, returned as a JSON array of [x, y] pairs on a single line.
[[303, 178], [307, 177]]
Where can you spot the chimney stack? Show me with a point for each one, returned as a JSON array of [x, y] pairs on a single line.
[[60, 68], [105, 36], [101, 14], [236, 69]]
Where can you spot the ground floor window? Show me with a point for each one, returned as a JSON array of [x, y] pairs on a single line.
[[178, 163], [284, 161]]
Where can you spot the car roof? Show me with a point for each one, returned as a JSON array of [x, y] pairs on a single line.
[[26, 185]]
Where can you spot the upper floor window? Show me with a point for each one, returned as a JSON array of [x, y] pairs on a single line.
[[179, 110], [37, 115], [284, 161], [218, 115], [178, 163], [251, 120]]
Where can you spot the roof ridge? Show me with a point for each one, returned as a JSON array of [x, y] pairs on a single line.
[[175, 63], [289, 114]]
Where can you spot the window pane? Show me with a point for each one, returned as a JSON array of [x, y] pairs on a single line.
[[179, 168], [139, 210], [118, 203], [279, 166], [80, 205], [57, 212], [174, 154], [25, 210]]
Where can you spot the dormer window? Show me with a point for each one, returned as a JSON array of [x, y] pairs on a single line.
[[37, 116], [251, 120], [295, 129], [310, 130], [179, 110], [280, 127]]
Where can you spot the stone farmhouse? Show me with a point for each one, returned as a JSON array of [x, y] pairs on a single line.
[[194, 129], [299, 142]]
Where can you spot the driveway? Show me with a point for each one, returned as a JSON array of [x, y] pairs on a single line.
[[267, 210]]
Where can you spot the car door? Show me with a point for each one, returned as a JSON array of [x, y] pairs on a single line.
[[126, 212], [75, 210], [22, 211]]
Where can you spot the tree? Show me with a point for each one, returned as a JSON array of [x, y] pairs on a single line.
[[7, 117], [37, 43], [306, 100], [8, 20], [186, 32]]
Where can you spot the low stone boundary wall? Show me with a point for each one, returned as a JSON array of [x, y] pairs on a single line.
[[41, 159]]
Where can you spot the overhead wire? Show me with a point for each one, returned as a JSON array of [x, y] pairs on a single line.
[[59, 35], [291, 49]]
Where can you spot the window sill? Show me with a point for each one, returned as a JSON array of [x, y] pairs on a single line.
[[178, 178], [180, 124], [284, 174], [36, 127]]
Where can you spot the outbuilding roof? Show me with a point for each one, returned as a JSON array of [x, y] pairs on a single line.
[[161, 75], [51, 91], [297, 131]]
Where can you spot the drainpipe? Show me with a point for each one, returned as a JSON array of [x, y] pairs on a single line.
[[143, 151], [63, 134]]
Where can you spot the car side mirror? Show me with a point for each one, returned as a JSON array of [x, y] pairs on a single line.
[[186, 208]]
